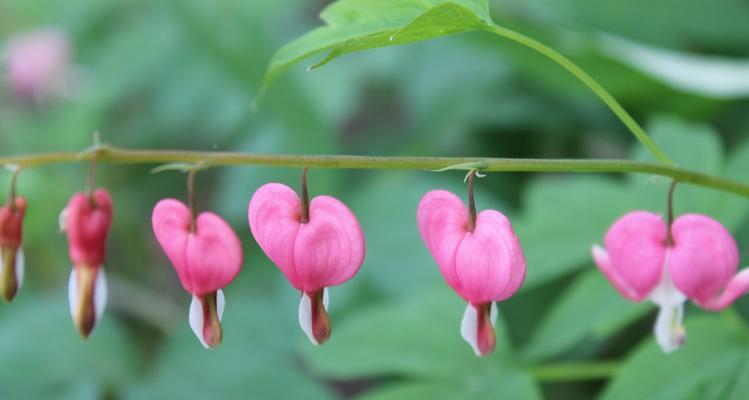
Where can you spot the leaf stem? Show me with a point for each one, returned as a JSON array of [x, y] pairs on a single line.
[[108, 154], [591, 83], [575, 371]]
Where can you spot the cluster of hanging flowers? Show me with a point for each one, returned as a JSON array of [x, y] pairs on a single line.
[[318, 244]]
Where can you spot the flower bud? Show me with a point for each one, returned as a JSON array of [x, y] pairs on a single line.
[[11, 235]]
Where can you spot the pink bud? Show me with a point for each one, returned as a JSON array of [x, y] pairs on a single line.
[[37, 63], [700, 263], [206, 256], [482, 266], [87, 220], [325, 251], [11, 233]]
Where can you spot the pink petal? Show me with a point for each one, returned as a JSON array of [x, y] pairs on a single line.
[[481, 266], [489, 263], [442, 218], [171, 225], [602, 260], [737, 287], [206, 260], [274, 214], [87, 226], [214, 254], [704, 257], [326, 251], [329, 249], [636, 250]]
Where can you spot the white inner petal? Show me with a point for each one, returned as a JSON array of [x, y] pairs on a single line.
[[305, 316], [325, 298], [100, 294], [493, 313], [73, 293], [669, 330], [469, 328], [220, 303], [62, 218], [20, 266], [196, 318]]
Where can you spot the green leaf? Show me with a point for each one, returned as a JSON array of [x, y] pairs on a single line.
[[556, 243], [357, 25], [415, 337], [256, 359], [43, 356], [595, 306], [703, 369], [511, 385], [419, 338]]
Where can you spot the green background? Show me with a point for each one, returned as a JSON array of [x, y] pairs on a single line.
[[184, 74]]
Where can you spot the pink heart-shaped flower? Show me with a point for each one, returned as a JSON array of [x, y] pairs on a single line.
[[481, 266], [207, 259], [325, 251]]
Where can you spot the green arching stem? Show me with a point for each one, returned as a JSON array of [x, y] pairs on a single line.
[[574, 371], [105, 153], [605, 96]]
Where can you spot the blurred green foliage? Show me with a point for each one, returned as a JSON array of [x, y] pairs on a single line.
[[184, 74]]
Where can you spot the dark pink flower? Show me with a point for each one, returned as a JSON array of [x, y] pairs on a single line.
[[86, 221], [11, 236]]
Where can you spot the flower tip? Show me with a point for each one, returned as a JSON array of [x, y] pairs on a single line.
[[205, 318], [477, 327], [87, 295], [11, 273], [313, 316]]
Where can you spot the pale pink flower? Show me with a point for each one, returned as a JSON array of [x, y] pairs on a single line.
[[11, 235], [699, 262], [38, 64], [483, 265], [87, 220], [327, 250], [206, 256]]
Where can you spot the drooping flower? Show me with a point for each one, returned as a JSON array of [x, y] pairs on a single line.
[[207, 256], [87, 220], [698, 260], [324, 249], [11, 235], [38, 64], [481, 260]]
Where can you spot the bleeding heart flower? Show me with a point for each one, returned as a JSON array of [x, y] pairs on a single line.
[[698, 261], [325, 249], [207, 256], [86, 220], [38, 64], [12, 267], [482, 261]]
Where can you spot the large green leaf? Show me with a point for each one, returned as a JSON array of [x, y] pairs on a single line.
[[705, 368], [597, 310], [255, 360], [43, 356], [419, 338], [356, 25], [556, 243]]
